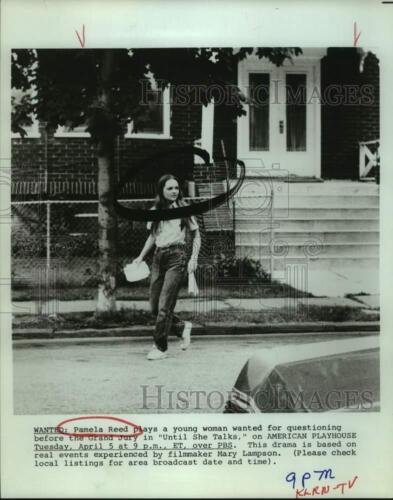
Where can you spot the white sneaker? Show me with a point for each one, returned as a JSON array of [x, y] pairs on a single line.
[[186, 335], [155, 354]]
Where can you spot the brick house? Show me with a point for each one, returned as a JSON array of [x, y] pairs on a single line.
[[311, 134]]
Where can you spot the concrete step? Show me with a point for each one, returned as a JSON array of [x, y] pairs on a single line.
[[335, 188], [312, 248], [319, 200], [318, 262], [306, 213], [254, 237], [264, 186], [310, 224]]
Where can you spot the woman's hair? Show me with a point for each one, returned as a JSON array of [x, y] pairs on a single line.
[[161, 203]]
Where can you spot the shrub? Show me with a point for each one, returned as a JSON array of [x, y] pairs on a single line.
[[247, 270]]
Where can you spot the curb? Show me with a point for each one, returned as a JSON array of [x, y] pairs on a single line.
[[208, 329]]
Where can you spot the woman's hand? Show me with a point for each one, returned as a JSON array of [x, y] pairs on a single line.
[[138, 260], [192, 265]]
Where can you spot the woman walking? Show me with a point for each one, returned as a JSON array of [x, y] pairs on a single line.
[[169, 265]]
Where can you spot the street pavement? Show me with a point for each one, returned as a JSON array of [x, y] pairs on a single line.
[[113, 376]]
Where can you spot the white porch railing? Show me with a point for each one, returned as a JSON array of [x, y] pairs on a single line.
[[368, 157]]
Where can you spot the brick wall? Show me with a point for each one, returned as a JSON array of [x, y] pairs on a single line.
[[370, 115], [75, 157], [344, 125]]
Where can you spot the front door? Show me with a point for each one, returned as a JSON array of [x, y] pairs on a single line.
[[280, 133]]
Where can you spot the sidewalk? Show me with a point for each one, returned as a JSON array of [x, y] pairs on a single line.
[[240, 308], [367, 302]]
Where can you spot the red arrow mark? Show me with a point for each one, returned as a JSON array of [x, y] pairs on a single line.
[[356, 35], [81, 40]]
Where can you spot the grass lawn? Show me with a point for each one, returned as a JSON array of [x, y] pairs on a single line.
[[126, 318], [76, 280]]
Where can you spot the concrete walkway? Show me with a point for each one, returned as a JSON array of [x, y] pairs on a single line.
[[202, 305], [339, 281]]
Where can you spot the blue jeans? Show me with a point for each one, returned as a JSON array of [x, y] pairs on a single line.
[[167, 273]]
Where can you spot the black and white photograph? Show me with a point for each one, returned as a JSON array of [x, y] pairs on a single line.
[[195, 230], [195, 266]]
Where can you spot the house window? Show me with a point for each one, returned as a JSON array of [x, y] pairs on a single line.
[[152, 123], [154, 120], [67, 131], [17, 98], [32, 131]]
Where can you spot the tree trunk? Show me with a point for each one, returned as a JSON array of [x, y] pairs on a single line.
[[107, 219], [107, 229]]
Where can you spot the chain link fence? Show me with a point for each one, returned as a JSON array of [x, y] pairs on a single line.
[[55, 253], [62, 236]]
